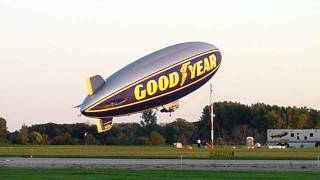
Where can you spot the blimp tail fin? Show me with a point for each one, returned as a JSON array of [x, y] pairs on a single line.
[[94, 83], [104, 124]]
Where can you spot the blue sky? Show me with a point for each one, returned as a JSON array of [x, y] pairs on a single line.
[[270, 51]]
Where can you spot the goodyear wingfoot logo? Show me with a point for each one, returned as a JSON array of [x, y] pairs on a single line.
[[189, 70]]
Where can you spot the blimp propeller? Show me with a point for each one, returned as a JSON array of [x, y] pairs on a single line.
[[159, 79]]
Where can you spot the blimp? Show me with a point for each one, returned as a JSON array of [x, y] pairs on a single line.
[[157, 80]]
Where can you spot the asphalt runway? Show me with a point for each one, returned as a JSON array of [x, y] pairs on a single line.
[[163, 164]]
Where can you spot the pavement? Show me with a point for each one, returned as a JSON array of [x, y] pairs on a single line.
[[162, 164]]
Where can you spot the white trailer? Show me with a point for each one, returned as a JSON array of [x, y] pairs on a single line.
[[294, 137]]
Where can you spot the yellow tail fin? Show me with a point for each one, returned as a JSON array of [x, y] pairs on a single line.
[[94, 83], [104, 125]]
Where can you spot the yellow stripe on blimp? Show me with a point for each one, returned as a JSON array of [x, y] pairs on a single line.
[[89, 87]]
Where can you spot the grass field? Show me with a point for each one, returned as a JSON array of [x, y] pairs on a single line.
[[152, 152], [78, 174]]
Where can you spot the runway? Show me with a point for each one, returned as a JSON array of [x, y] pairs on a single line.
[[163, 164]]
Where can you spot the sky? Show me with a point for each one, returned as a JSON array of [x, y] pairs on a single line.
[[270, 52]]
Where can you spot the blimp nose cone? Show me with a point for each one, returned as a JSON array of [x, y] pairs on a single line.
[[82, 109]]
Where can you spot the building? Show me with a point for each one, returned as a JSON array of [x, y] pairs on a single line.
[[294, 137]]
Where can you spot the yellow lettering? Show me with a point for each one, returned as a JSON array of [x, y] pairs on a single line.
[[199, 68], [163, 83], [138, 93], [213, 61], [152, 87], [173, 79], [192, 69], [206, 65]]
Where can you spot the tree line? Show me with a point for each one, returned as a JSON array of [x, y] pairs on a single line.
[[233, 122]]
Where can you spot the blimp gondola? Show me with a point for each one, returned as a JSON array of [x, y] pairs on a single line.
[[159, 79]]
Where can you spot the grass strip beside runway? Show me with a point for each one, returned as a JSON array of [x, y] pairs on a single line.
[[78, 174], [165, 152]]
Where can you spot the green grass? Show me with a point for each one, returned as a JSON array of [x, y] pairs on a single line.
[[152, 152], [78, 174]]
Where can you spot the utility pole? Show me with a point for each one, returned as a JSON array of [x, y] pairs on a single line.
[[212, 115]]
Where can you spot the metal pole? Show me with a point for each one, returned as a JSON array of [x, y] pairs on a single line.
[[212, 115]]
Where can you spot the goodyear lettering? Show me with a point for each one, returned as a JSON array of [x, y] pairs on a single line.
[[173, 79], [166, 82], [206, 65], [163, 83], [139, 93], [199, 68], [213, 61], [152, 87], [192, 69]]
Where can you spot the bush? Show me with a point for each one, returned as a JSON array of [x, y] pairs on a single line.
[[90, 139], [156, 138], [36, 138], [143, 141], [63, 139]]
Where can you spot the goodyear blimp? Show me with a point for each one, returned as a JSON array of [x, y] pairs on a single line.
[[159, 79]]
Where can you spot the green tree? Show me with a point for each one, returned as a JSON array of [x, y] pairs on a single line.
[[240, 133], [204, 124], [63, 139], [143, 141], [14, 137], [149, 121], [179, 131], [23, 135], [290, 119], [149, 118], [122, 138], [45, 139], [302, 121], [317, 120], [3, 131], [133, 131], [156, 138], [89, 139], [36, 138], [275, 120]]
